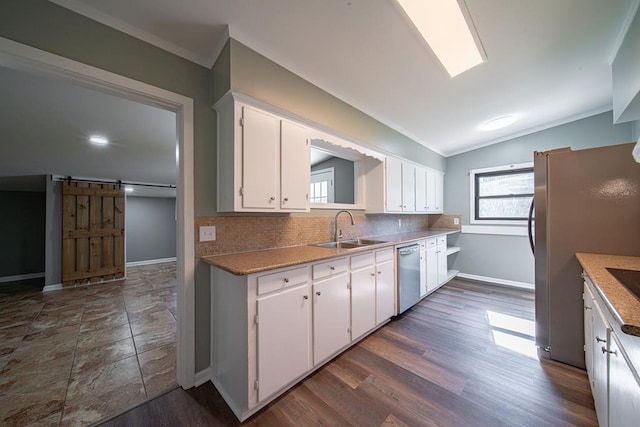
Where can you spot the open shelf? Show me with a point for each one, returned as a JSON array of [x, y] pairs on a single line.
[[451, 274], [452, 250]]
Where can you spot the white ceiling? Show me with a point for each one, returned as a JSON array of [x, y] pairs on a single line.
[[548, 61]]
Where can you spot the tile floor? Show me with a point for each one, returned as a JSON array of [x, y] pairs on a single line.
[[76, 356]]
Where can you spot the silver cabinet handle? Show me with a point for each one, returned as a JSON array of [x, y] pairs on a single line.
[[286, 199], [604, 350], [306, 297], [286, 280], [318, 293], [379, 272], [598, 339], [272, 198], [331, 268], [373, 274], [587, 308]]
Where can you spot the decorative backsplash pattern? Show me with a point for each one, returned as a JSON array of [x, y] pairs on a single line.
[[250, 233]]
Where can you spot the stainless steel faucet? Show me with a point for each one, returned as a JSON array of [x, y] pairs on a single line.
[[338, 235]]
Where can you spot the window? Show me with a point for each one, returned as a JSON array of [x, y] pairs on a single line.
[[322, 189], [501, 195]]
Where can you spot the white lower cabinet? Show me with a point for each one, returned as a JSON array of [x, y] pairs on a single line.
[[284, 338], [441, 251], [330, 317], [431, 260], [385, 285], [614, 380], [624, 390], [363, 294]]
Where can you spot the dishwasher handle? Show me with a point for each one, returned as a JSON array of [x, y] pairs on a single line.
[[408, 250]]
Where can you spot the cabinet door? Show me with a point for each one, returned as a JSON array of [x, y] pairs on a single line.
[[284, 339], [432, 268], [260, 162], [385, 292], [441, 252], [624, 390], [421, 190], [331, 318], [393, 183], [600, 375], [588, 332], [363, 301], [295, 167], [423, 269], [431, 191], [439, 193], [408, 188]]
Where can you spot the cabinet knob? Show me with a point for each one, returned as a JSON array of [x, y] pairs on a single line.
[[272, 198], [332, 268], [587, 308], [379, 272], [373, 274], [318, 293], [306, 297], [286, 199], [286, 280], [598, 339]]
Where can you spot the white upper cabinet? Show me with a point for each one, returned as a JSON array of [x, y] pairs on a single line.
[[399, 186], [393, 181], [435, 189], [260, 162], [294, 166], [263, 160]]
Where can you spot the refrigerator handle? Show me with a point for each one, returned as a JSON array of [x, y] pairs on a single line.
[[530, 227]]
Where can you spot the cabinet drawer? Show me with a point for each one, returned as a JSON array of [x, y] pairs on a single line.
[[361, 261], [275, 281], [326, 269], [384, 255], [431, 242], [442, 240]]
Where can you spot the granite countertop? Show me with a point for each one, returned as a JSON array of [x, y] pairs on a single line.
[[244, 263], [624, 306]]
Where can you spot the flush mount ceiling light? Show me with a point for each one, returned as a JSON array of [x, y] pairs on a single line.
[[499, 123], [128, 189], [443, 25], [98, 140]]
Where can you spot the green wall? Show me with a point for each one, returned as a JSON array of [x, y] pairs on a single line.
[[263, 79]]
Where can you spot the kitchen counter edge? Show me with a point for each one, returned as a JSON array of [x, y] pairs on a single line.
[[244, 263], [622, 304]]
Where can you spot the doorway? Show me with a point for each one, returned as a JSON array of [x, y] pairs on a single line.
[[21, 57]]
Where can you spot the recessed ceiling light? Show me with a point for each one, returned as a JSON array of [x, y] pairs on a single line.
[[98, 140], [443, 25], [499, 123]]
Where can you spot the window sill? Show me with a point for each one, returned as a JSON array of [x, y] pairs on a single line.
[[503, 230]]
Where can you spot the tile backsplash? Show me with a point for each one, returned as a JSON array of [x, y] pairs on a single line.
[[248, 233]]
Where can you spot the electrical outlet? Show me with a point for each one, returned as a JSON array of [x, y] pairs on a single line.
[[456, 221], [207, 233]]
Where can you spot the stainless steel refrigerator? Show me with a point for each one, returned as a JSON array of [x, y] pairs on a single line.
[[585, 201]]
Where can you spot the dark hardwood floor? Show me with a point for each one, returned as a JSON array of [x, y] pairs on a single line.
[[464, 356]]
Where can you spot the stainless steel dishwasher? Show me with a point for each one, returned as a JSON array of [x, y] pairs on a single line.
[[408, 277]]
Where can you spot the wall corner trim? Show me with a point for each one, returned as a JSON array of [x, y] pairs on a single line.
[[203, 376]]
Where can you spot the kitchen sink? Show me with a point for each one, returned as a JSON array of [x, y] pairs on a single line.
[[350, 243]]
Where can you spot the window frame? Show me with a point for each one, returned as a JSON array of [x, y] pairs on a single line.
[[496, 170]]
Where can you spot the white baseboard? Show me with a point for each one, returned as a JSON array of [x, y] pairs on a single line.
[[21, 277], [512, 283], [151, 261], [203, 376], [59, 286]]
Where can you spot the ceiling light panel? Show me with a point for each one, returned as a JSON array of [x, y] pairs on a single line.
[[98, 140], [444, 27]]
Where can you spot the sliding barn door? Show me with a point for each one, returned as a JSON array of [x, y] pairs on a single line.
[[92, 232]]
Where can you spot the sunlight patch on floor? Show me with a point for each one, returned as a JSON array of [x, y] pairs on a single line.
[[513, 333]]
